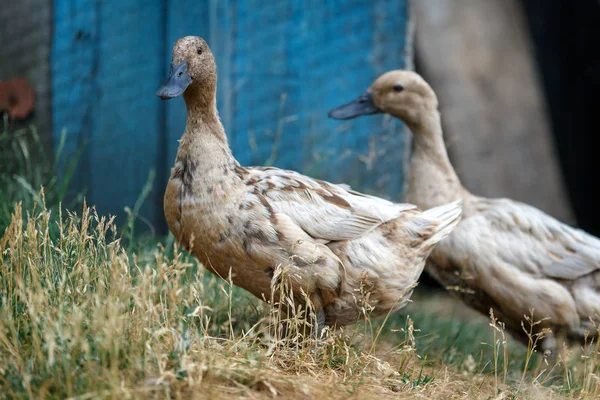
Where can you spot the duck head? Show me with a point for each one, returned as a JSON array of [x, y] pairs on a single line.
[[193, 68], [402, 94]]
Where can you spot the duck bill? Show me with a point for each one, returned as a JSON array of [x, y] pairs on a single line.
[[362, 106], [176, 83]]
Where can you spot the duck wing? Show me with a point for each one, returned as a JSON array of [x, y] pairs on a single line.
[[323, 210], [542, 245], [523, 259]]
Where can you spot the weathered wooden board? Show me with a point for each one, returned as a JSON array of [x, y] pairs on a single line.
[[107, 61]]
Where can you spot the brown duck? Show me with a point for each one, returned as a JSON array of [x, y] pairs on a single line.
[[504, 254], [251, 221]]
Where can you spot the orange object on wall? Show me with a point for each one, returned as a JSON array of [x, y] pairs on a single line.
[[17, 96]]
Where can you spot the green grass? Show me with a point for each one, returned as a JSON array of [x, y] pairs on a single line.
[[25, 166]]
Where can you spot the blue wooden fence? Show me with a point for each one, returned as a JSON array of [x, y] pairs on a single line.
[[282, 66]]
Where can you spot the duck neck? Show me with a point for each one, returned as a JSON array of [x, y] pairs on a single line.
[[432, 179], [204, 141]]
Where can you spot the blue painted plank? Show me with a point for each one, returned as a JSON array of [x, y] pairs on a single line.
[[73, 61], [266, 84], [362, 40], [292, 63], [107, 60]]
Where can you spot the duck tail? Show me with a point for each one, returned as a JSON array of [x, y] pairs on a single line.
[[437, 223]]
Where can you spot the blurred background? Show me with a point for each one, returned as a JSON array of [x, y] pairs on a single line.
[[517, 82]]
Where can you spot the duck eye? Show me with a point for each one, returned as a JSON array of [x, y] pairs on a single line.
[[398, 87], [199, 50]]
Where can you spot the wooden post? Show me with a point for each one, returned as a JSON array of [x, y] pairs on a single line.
[[477, 56]]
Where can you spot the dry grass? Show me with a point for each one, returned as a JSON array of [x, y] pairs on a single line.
[[81, 317]]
